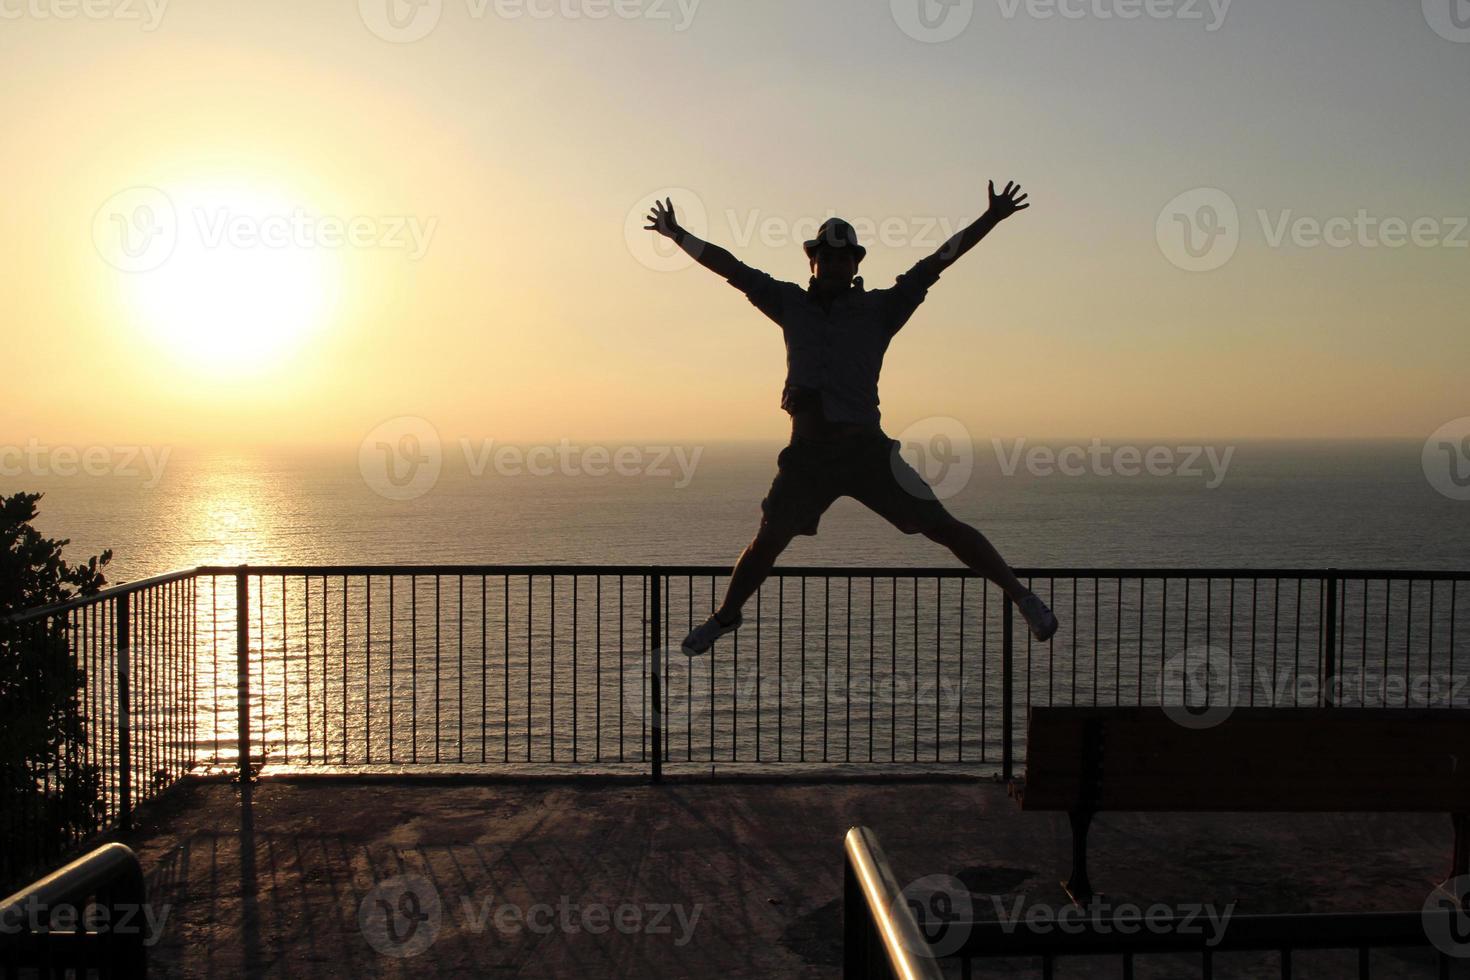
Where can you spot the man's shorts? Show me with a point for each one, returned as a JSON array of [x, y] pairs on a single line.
[[812, 473]]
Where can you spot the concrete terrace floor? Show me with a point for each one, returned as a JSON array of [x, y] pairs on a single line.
[[283, 892]]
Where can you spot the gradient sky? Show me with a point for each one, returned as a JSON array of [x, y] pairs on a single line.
[[526, 143]]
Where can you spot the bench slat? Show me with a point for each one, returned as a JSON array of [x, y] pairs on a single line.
[[1258, 759]]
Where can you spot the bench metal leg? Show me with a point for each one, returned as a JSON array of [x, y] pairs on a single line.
[[1078, 887], [1460, 857]]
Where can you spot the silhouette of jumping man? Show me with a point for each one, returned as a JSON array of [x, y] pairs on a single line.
[[836, 334]]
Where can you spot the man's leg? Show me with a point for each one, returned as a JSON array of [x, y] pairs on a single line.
[[976, 551], [755, 563]]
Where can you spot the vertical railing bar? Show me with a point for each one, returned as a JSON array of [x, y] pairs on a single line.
[[413, 680], [847, 684], [734, 693], [530, 629], [872, 656], [656, 726], [1408, 635], [459, 683], [1329, 638], [801, 702], [344, 670], [1296, 653], [438, 697], [123, 686], [759, 593], [484, 668], [285, 678], [1096, 637], [392, 649], [733, 640], [242, 668], [1007, 697], [505, 624], [306, 643], [826, 662], [367, 671]]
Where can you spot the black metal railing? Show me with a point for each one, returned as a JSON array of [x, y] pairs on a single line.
[[87, 919], [123, 733], [564, 668]]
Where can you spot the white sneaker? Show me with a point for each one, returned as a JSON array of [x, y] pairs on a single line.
[[1039, 617], [703, 636]]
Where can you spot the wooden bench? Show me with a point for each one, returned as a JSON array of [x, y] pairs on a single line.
[[1318, 760]]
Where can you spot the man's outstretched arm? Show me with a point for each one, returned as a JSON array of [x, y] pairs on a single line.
[[1002, 206], [714, 258]]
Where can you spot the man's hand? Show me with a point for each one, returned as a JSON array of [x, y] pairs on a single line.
[[661, 219], [1007, 202]]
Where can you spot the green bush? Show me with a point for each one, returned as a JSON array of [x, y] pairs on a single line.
[[50, 794]]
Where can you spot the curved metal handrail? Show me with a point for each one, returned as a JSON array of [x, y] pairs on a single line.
[[874, 908]]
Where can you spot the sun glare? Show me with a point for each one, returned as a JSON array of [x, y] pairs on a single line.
[[240, 277]]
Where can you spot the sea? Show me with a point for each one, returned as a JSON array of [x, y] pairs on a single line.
[[1254, 504]]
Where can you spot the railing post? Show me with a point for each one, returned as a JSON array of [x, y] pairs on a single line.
[[655, 686], [1007, 697], [123, 632], [242, 671], [1329, 634]]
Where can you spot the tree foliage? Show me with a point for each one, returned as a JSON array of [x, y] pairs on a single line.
[[50, 790]]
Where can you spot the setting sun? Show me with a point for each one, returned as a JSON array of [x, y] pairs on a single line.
[[223, 277]]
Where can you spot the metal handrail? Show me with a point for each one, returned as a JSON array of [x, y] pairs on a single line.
[[834, 571], [880, 936], [112, 875], [111, 592]]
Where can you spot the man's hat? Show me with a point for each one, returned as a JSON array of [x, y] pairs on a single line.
[[835, 233]]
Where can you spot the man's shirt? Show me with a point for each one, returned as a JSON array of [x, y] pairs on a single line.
[[837, 351]]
